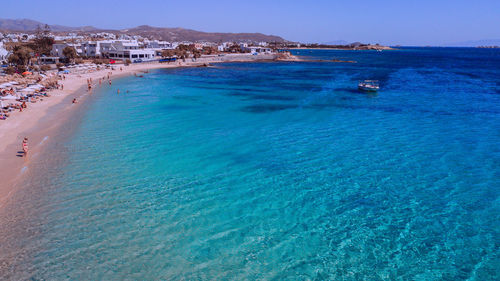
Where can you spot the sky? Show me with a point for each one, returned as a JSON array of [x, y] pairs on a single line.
[[389, 22]]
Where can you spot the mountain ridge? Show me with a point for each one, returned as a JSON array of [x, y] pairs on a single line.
[[163, 33]]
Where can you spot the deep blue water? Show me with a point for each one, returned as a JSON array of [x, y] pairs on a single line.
[[282, 171]]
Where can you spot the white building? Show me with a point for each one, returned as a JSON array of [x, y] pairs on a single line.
[[95, 48], [257, 50], [156, 44], [3, 53], [127, 49], [57, 49], [104, 35], [115, 49]]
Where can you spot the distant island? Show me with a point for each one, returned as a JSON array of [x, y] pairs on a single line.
[[488, 47], [352, 46]]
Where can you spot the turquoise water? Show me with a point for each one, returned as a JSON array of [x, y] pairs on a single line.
[[280, 171]]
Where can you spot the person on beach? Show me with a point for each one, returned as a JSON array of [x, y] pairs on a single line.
[[25, 147], [62, 87], [118, 91], [109, 82], [74, 100]]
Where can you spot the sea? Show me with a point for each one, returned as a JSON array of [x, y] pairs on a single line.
[[274, 171]]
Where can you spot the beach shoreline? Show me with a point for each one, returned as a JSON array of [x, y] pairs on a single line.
[[41, 120]]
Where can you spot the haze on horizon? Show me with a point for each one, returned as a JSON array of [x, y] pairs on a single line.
[[389, 22]]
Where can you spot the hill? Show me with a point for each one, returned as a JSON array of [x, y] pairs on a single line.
[[163, 33], [27, 25], [182, 34]]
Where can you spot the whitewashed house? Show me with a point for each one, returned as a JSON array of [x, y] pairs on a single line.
[[3, 53], [127, 49], [57, 49], [94, 49], [156, 44], [257, 50]]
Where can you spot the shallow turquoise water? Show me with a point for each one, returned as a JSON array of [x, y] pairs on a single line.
[[282, 171]]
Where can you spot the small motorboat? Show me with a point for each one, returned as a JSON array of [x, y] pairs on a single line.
[[368, 86]]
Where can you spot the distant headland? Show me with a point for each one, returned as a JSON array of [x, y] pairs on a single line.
[[352, 46]]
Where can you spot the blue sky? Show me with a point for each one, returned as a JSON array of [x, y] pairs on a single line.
[[405, 22]]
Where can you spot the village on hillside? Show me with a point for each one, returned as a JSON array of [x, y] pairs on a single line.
[[21, 50]]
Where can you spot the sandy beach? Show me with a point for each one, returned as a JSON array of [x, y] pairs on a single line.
[[40, 120]]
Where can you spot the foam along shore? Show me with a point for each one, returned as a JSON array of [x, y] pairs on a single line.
[[33, 121]]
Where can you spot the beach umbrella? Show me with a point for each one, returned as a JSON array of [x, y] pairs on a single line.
[[27, 73]]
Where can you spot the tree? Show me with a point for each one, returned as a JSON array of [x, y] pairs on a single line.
[[196, 54], [181, 52], [69, 53], [20, 55], [183, 47], [167, 53], [235, 48], [209, 50], [43, 42]]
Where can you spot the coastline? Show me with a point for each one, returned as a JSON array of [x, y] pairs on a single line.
[[40, 120], [381, 48]]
